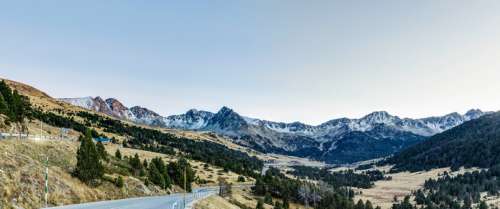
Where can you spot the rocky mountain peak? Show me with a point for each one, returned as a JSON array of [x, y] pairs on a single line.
[[474, 113], [334, 136], [115, 105], [141, 112], [226, 119], [379, 117], [225, 111], [192, 112], [101, 106]]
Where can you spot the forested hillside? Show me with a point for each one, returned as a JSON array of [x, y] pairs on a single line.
[[23, 107], [157, 141], [475, 143]]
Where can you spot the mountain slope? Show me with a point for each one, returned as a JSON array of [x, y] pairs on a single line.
[[340, 140], [474, 143]]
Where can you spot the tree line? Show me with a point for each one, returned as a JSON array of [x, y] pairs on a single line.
[[319, 196], [339, 178], [475, 143]]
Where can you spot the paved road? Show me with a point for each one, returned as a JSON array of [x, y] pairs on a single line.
[[174, 201]]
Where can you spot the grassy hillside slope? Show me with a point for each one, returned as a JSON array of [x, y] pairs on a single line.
[[22, 167]]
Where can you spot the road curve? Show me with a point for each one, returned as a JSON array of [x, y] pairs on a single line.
[[173, 201]]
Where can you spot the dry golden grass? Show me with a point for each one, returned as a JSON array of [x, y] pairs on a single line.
[[210, 173], [493, 201], [22, 176], [402, 184], [215, 202], [240, 196]]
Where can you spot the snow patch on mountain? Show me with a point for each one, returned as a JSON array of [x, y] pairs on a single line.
[[377, 129]]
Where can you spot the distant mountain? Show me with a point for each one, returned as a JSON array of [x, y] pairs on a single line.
[[342, 140], [475, 143], [115, 108]]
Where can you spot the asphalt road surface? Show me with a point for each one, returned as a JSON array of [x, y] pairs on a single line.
[[173, 201]]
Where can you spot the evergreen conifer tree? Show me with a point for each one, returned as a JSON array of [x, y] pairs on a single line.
[[368, 205], [4, 109], [286, 204], [135, 162], [260, 204], [118, 154], [155, 176], [268, 199], [101, 150], [176, 170], [6, 92], [88, 166], [483, 205], [360, 205]]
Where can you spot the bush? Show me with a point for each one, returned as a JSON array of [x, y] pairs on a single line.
[[119, 182], [241, 179]]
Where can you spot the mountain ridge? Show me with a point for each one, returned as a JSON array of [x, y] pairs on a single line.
[[378, 133]]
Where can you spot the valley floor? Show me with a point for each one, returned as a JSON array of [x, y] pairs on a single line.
[[402, 184]]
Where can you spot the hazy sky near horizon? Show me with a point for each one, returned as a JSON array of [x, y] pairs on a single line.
[[291, 60]]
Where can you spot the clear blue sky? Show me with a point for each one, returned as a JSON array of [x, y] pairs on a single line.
[[278, 60]]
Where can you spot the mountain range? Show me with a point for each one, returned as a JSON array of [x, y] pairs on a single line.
[[342, 140]]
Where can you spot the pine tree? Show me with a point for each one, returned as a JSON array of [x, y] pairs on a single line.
[[260, 204], [119, 182], [162, 168], [4, 109], [277, 205], [260, 187], [268, 199], [101, 150], [17, 107], [6, 92], [88, 166], [368, 205], [155, 176], [176, 170], [118, 154], [483, 205], [135, 162], [360, 205], [286, 204]]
